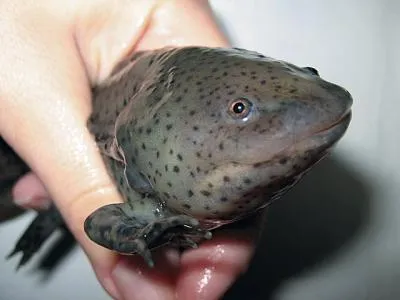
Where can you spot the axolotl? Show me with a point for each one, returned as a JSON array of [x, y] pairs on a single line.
[[195, 138]]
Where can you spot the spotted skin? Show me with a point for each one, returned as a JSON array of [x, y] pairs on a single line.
[[195, 138]]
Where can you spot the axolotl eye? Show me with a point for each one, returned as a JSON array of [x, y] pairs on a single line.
[[240, 108], [312, 71]]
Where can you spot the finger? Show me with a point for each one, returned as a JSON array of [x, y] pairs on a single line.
[[30, 193], [136, 281], [208, 272]]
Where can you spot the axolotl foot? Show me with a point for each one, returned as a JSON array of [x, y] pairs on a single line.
[[119, 228]]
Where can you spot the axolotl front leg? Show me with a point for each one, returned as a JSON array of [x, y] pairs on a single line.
[[141, 224]]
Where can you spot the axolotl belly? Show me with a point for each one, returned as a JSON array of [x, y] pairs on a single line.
[[199, 137]]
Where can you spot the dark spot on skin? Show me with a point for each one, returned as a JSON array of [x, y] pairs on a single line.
[[192, 174], [171, 151], [207, 207], [195, 128], [148, 130], [186, 206], [168, 127], [166, 168], [198, 169], [247, 180], [209, 155], [169, 184], [221, 146], [143, 146], [283, 160], [256, 127], [223, 199], [176, 169], [178, 99], [210, 185], [165, 140], [205, 193], [192, 112], [158, 154], [150, 164], [190, 193], [198, 154], [140, 130], [262, 82], [227, 179], [168, 114], [179, 156]]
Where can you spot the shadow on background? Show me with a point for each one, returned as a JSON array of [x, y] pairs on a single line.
[[311, 223]]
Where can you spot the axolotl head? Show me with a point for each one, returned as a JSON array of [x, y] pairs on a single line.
[[236, 130]]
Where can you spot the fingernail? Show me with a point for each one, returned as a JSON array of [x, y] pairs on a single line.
[[206, 283], [37, 203], [133, 284]]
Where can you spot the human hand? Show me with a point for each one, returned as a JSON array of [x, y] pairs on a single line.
[[53, 51]]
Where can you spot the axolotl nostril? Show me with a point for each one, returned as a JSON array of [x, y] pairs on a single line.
[[198, 137]]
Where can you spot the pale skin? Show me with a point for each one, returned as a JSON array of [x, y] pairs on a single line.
[[52, 52]]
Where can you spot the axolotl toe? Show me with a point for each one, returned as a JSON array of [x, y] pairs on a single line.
[[199, 137]]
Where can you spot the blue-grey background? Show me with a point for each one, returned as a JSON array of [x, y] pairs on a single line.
[[337, 234]]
